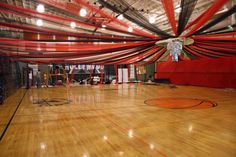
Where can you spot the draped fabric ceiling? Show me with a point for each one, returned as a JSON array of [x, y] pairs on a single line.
[[101, 38]]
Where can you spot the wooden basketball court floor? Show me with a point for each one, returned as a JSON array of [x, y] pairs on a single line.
[[114, 121]]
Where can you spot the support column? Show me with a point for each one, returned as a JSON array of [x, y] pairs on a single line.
[[91, 72], [128, 66], [102, 73], [116, 72]]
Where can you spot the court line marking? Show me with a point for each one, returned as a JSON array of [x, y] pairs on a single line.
[[85, 110], [214, 104], [9, 122]]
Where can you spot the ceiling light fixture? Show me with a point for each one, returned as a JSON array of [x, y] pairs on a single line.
[[130, 29], [230, 28], [83, 12], [120, 17], [40, 8], [39, 22], [72, 24], [152, 19], [222, 11], [178, 10]]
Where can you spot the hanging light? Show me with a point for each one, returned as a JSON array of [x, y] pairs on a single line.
[[230, 28], [120, 17], [83, 12], [130, 29], [39, 22], [104, 27], [178, 8], [72, 24], [152, 19], [40, 8]]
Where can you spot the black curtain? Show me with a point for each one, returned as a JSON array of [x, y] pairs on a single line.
[[187, 7], [217, 20]]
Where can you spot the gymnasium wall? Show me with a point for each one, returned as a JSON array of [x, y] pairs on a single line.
[[10, 76], [220, 73]]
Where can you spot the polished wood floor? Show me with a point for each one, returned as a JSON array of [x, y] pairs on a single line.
[[114, 121]]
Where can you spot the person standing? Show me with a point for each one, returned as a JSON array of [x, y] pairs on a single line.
[[30, 78], [45, 79], [38, 79]]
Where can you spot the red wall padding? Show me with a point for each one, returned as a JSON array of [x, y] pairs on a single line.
[[219, 72]]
